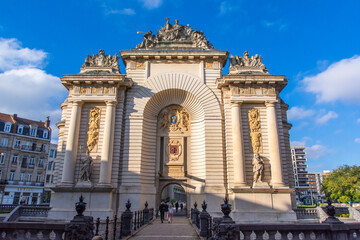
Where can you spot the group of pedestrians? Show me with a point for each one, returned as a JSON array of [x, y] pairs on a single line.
[[167, 210]]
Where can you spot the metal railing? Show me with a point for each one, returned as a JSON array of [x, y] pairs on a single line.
[[113, 228]]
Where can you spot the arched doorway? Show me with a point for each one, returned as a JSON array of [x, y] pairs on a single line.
[[175, 194]]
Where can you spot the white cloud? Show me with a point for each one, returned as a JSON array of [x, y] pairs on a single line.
[[316, 151], [151, 4], [28, 90], [299, 113], [340, 81], [30, 93], [125, 11], [12, 55], [278, 24], [297, 143], [357, 140], [225, 7], [358, 120], [325, 118]]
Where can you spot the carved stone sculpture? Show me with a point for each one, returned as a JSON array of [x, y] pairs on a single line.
[[86, 169], [175, 33], [101, 61], [93, 132], [246, 64], [174, 119], [258, 168], [174, 150], [255, 130]]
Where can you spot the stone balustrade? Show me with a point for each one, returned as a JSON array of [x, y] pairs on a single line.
[[307, 213], [12, 231], [300, 231], [27, 211]]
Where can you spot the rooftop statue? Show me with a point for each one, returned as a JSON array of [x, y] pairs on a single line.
[[246, 64], [101, 61], [175, 34]]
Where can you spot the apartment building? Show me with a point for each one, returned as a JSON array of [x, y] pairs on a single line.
[[315, 180], [24, 150], [301, 179]]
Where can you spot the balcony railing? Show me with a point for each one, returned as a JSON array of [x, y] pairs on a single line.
[[25, 183], [32, 148]]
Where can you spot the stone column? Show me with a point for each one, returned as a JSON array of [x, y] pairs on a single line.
[[107, 146], [274, 146], [72, 144], [238, 145]]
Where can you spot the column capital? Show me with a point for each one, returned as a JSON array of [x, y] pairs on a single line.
[[110, 102], [77, 102], [236, 104], [271, 103]]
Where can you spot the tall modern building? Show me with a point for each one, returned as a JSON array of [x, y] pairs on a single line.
[[300, 172], [315, 181], [24, 151], [174, 118]]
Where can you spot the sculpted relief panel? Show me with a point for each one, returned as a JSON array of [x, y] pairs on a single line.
[[253, 90], [174, 127], [174, 119], [174, 150], [255, 130], [93, 132]]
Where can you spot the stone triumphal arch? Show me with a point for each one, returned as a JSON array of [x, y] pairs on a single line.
[[174, 118]]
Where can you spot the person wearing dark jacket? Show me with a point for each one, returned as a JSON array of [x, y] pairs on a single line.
[[177, 206], [162, 211]]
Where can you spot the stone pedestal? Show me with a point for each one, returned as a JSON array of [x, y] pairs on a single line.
[[99, 201], [263, 205]]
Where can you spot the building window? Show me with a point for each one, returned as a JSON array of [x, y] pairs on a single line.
[[55, 153], [38, 178], [7, 127], [48, 178], [20, 129], [45, 134], [33, 132], [11, 175], [0, 174], [22, 176], [24, 162], [43, 147], [32, 162], [33, 148], [53, 168], [51, 153], [2, 158], [29, 177], [41, 162], [4, 142], [14, 159], [49, 165], [17, 143]]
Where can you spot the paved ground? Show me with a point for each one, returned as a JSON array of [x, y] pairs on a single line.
[[180, 228]]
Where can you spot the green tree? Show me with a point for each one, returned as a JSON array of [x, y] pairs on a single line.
[[343, 184]]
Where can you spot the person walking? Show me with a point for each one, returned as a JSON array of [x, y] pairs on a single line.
[[171, 213], [166, 210], [181, 206], [162, 211], [177, 206]]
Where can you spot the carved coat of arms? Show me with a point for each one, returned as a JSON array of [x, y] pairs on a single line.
[[175, 119], [174, 150]]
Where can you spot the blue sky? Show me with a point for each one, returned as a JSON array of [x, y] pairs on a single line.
[[316, 44]]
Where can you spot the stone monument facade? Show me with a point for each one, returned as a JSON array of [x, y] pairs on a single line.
[[174, 118]]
